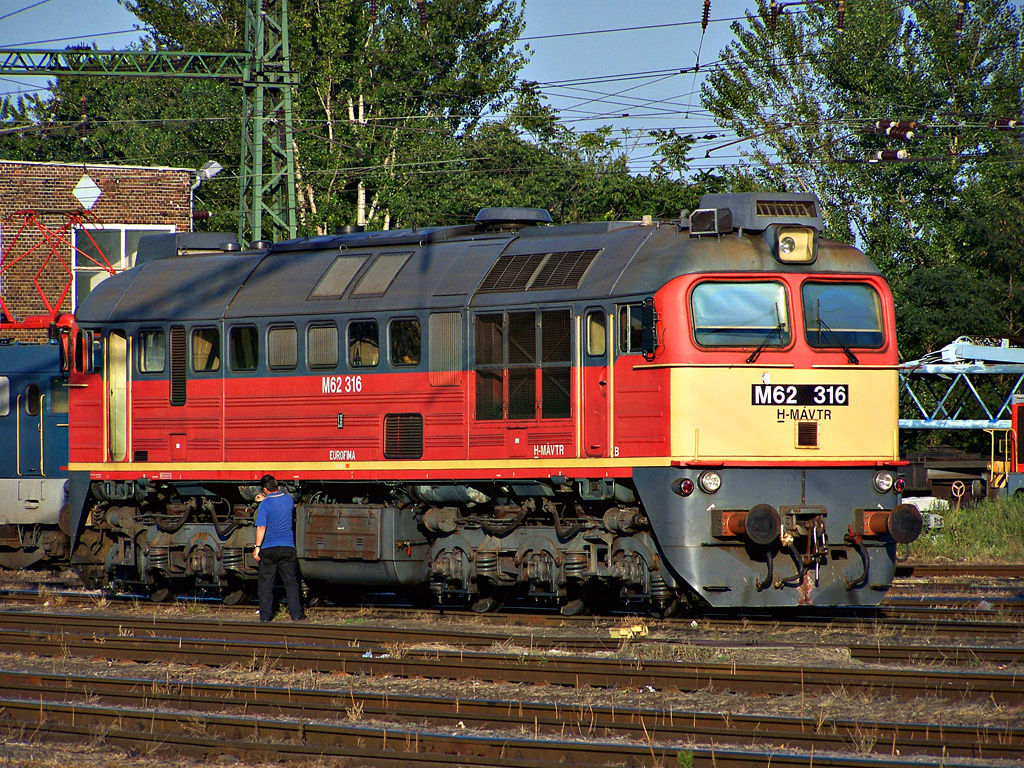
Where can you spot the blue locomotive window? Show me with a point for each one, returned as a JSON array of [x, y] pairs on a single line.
[[747, 314], [32, 400], [5, 395], [838, 315], [243, 348], [405, 342], [205, 350], [363, 344], [58, 396], [152, 351]]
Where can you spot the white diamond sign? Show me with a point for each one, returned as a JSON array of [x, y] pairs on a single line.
[[87, 192]]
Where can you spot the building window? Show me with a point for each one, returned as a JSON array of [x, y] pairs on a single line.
[[114, 244]]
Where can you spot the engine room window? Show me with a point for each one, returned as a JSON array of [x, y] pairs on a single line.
[[152, 351], [205, 349], [740, 314], [243, 348], [405, 342], [322, 346], [363, 344], [444, 349], [842, 314], [597, 334], [281, 347]]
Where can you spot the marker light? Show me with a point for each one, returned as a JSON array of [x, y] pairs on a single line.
[[899, 485], [883, 481], [683, 486], [710, 482]]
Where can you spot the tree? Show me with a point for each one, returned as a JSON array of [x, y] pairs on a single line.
[[815, 102]]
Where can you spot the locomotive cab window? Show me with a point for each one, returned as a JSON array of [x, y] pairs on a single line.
[[631, 329], [322, 346], [838, 315], [363, 344], [205, 350], [282, 347], [152, 351], [404, 342], [243, 348], [597, 334], [747, 314]]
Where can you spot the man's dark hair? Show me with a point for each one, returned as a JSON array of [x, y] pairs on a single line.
[[269, 482]]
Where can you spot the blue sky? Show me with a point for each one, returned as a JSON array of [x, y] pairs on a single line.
[[629, 55]]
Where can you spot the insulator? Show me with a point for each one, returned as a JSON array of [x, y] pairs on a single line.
[[373, 11], [899, 132], [773, 10], [889, 155], [707, 15], [961, 9], [840, 15], [421, 6], [1004, 124]]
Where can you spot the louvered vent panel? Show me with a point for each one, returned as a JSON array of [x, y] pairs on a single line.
[[787, 208], [807, 434], [140, 456], [179, 363], [403, 436], [563, 270], [444, 349], [337, 277], [511, 273]]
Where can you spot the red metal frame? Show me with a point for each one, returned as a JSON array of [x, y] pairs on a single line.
[[54, 238]]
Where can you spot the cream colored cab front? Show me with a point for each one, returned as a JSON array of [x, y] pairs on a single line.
[[740, 413]]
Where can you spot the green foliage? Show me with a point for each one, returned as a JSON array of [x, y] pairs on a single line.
[[986, 532], [804, 95]]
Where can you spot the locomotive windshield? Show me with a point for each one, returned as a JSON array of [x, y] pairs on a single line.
[[740, 314], [838, 315]]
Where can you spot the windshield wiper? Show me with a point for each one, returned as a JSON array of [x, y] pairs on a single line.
[[839, 342], [776, 331]]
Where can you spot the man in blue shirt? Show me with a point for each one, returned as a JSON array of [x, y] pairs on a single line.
[[275, 550]]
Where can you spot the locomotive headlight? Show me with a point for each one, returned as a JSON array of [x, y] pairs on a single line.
[[883, 481], [792, 244], [710, 482]]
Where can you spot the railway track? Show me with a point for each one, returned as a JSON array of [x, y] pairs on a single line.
[[306, 649], [539, 719]]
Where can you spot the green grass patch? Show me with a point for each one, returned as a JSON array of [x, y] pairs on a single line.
[[987, 532]]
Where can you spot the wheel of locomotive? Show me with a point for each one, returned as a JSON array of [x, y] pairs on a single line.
[[590, 596], [236, 591], [489, 599], [161, 590]]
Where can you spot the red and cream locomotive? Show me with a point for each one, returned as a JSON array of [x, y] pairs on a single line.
[[699, 411]]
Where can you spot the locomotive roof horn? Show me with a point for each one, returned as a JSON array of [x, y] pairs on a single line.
[[512, 217]]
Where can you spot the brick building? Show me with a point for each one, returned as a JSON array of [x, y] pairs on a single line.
[[92, 215]]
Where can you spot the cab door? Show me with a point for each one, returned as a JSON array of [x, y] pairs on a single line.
[[116, 372], [596, 386], [30, 431]]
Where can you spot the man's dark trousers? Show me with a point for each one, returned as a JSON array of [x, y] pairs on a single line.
[[274, 560]]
